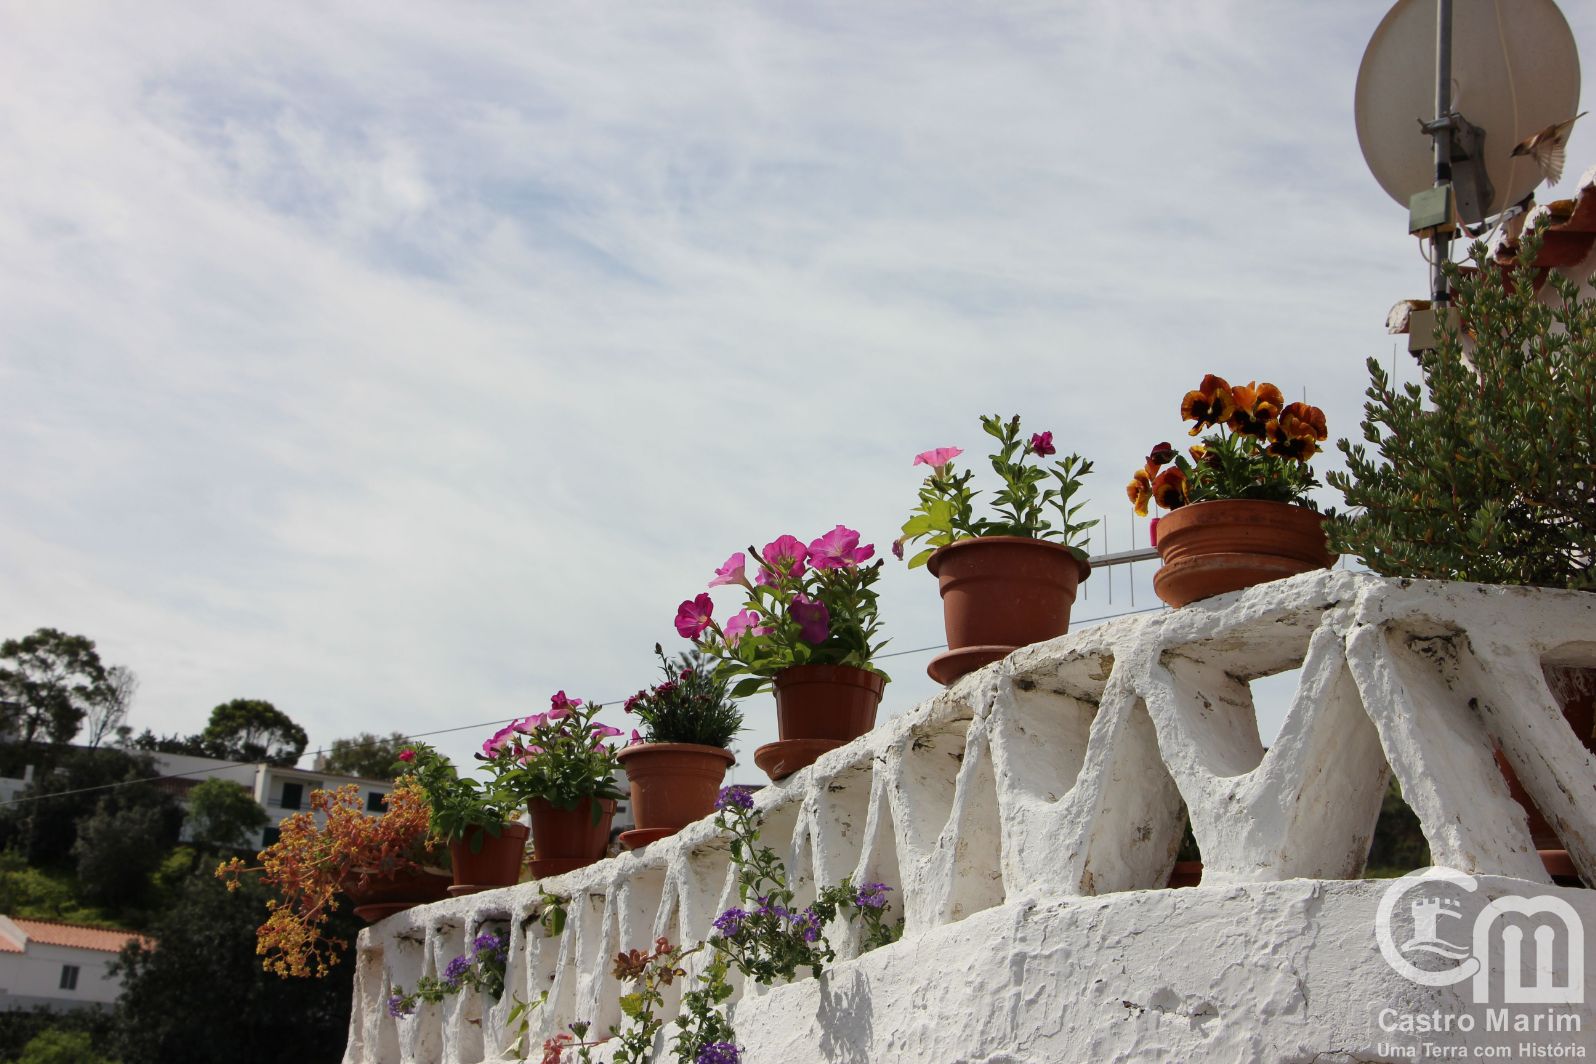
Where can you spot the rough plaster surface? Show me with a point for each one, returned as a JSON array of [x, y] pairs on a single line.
[[1015, 810]]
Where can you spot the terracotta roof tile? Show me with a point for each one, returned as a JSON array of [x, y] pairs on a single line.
[[55, 933]]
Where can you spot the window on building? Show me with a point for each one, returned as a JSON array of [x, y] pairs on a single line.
[[374, 802], [269, 836], [293, 795], [69, 977]]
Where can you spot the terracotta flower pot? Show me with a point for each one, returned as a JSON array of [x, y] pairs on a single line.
[[496, 863], [1210, 548], [818, 708], [567, 839], [1000, 593], [374, 895], [1575, 690], [673, 784]]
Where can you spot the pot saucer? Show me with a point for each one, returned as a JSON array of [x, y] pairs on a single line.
[[637, 838], [952, 664], [460, 890], [783, 757]]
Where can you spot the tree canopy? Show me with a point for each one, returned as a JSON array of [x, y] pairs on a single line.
[[223, 815], [49, 682], [365, 755], [250, 729]]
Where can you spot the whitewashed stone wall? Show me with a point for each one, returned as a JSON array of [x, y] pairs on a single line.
[[1030, 815]]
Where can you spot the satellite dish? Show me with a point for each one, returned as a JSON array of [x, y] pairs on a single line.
[[1515, 71]]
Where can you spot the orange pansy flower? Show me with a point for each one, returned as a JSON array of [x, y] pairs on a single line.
[[1211, 404], [1256, 406]]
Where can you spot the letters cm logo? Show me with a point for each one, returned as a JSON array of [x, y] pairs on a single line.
[[1473, 957]]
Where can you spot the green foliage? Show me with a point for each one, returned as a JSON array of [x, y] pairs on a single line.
[[1487, 473], [224, 816], [56, 1046], [48, 683], [250, 729], [460, 807], [203, 996], [20, 1027], [120, 845], [690, 705], [42, 824], [365, 756], [945, 512], [1399, 845], [46, 894], [703, 1021]]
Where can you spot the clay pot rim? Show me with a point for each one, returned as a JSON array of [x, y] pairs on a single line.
[[1182, 515], [508, 827], [846, 674], [676, 748], [934, 562]]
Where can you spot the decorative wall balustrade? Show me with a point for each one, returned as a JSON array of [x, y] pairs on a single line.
[[1069, 771]]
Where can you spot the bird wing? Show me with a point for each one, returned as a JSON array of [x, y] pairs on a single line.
[[1548, 155]]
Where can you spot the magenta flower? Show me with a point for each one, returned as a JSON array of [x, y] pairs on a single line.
[[499, 740], [814, 620], [737, 625], [733, 572], [694, 615], [559, 701], [785, 556], [897, 548], [528, 725], [1042, 444], [637, 736], [407, 756], [839, 549], [603, 731], [939, 457]]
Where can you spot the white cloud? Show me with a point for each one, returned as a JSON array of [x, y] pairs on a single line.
[[402, 363]]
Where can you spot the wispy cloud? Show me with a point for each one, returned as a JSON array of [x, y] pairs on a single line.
[[402, 363]]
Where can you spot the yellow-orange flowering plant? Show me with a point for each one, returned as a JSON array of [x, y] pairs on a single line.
[[310, 863], [1261, 450]]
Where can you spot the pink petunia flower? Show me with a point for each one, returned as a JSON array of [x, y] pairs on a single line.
[[603, 731], [559, 701], [499, 740], [814, 620], [407, 756], [733, 572], [1042, 444], [839, 549], [528, 725], [939, 457], [738, 624], [786, 555], [637, 737], [694, 616]]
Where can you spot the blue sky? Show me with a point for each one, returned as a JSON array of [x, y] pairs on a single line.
[[401, 364]]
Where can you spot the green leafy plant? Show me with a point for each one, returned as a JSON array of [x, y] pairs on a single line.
[[1024, 507], [690, 705], [560, 756], [481, 968], [1488, 471], [703, 1031], [807, 604], [462, 809], [1260, 451]]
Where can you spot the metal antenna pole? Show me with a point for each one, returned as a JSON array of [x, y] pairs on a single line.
[[1443, 141]]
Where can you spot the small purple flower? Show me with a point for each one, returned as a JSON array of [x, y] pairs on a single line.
[[730, 922], [719, 1053], [397, 1007], [872, 896], [488, 940], [456, 971], [735, 797], [807, 924]]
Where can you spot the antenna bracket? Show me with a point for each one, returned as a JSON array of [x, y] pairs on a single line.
[[1472, 186]]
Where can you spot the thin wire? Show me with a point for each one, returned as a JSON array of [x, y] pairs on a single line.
[[418, 735]]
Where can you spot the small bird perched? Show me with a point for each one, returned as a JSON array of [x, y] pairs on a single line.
[[1546, 148]]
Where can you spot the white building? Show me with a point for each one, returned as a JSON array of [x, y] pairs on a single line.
[[64, 966]]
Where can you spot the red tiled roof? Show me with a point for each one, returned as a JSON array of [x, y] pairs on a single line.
[[55, 933]]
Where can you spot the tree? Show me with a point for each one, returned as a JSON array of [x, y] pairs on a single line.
[[243, 1015], [48, 682], [193, 745], [56, 1046], [1486, 474], [43, 822], [223, 815], [105, 715], [250, 729], [365, 755], [121, 843]]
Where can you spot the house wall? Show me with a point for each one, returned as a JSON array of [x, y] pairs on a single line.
[[34, 977]]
